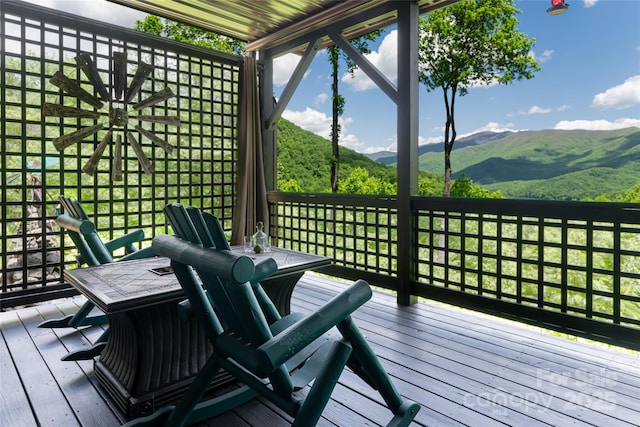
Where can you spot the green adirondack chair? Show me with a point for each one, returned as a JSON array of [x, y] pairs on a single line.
[[272, 356], [202, 228], [91, 251]]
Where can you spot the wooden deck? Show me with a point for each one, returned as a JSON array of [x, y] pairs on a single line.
[[463, 368]]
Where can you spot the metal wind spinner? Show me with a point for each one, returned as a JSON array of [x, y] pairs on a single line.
[[118, 115]]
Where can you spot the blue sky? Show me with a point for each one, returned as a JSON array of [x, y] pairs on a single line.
[[590, 79]]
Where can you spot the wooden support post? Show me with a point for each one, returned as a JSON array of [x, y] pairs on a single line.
[[407, 110]]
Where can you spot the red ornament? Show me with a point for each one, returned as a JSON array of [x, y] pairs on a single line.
[[557, 7]]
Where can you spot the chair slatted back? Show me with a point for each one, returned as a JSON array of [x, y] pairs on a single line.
[[193, 225], [92, 250], [181, 223], [73, 208], [209, 225]]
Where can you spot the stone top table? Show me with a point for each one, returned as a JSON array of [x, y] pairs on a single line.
[[152, 355], [123, 286]]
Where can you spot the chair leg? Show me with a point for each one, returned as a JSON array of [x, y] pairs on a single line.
[[180, 415], [323, 385], [85, 354], [369, 368], [80, 318], [405, 414], [88, 353]]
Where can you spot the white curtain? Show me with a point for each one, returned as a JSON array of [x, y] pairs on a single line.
[[251, 192]]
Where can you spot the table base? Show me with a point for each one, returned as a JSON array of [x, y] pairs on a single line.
[[151, 357]]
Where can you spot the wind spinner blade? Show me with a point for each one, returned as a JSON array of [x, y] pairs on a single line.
[[141, 75], [156, 140], [65, 141], [154, 99], [116, 164], [57, 110], [119, 74], [92, 164], [72, 88], [147, 167], [167, 120], [86, 64]]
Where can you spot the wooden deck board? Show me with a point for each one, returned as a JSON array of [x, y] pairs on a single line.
[[462, 367], [14, 403], [73, 381]]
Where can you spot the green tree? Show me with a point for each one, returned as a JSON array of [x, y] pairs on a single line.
[[338, 102], [289, 186], [187, 34], [469, 43], [464, 187], [429, 184], [631, 195], [360, 182]]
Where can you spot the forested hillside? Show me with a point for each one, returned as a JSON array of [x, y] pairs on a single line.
[[304, 159], [549, 164]]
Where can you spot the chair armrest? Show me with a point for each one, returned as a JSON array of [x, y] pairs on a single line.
[[78, 225], [264, 269], [125, 241], [292, 340]]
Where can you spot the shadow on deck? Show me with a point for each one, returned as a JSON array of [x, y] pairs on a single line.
[[462, 367]]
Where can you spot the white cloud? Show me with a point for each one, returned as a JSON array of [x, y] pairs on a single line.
[[622, 96], [538, 110], [492, 127], [622, 123], [393, 144], [590, 3], [430, 140], [352, 142], [312, 120], [535, 109], [547, 54], [385, 59], [318, 122], [283, 68], [322, 98]]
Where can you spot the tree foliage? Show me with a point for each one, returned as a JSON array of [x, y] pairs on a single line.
[[187, 34], [472, 42], [430, 185], [338, 101], [464, 187], [631, 195], [360, 182], [304, 157], [303, 167]]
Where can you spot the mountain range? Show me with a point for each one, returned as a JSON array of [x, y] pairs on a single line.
[[550, 164]]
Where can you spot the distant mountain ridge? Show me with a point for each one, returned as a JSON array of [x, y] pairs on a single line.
[[390, 158], [552, 164]]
